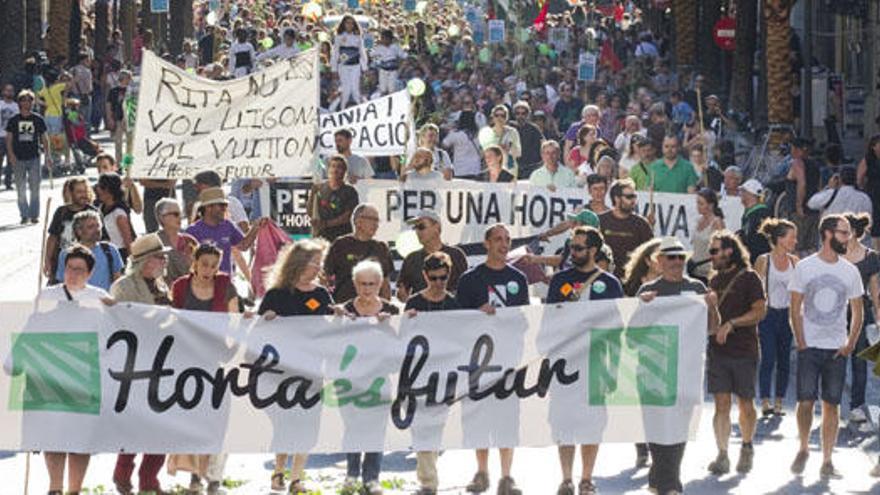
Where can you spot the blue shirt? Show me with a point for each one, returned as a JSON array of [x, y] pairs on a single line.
[[102, 274]]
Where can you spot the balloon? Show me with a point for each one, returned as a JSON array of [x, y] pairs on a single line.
[[543, 49], [211, 19], [323, 36], [461, 65], [407, 242], [312, 10], [421, 7], [487, 137], [267, 42], [485, 55], [416, 87], [433, 49], [453, 31]]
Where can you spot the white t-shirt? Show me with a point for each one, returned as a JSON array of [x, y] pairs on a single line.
[[467, 159], [827, 289], [88, 293], [359, 167], [236, 211], [112, 227], [7, 111]]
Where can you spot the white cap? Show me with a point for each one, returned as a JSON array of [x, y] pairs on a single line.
[[752, 186]]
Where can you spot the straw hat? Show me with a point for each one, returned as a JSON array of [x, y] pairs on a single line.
[[211, 196], [146, 246]]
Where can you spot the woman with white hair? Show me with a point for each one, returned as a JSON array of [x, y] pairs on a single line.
[[368, 278], [168, 213]]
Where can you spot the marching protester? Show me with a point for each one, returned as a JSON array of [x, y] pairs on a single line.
[[495, 172], [8, 109], [732, 356], [710, 221], [664, 475], [411, 280], [368, 279], [672, 173], [358, 166], [504, 136], [213, 226], [349, 250], [204, 289], [531, 138], [775, 269], [242, 56], [487, 286], [421, 168], [117, 222], [332, 202], [622, 227], [108, 263], [821, 336], [867, 262], [105, 163], [462, 141], [142, 282], [551, 175], [182, 245], [436, 271], [61, 233], [429, 137], [841, 196], [751, 194], [283, 51], [115, 116], [294, 290], [584, 281], [25, 133]]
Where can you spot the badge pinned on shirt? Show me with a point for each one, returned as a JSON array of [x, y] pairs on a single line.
[[599, 287], [513, 287]]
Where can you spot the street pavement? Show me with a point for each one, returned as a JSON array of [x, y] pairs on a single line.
[[536, 469]]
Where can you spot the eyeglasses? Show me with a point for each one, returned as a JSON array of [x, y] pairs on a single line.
[[438, 278], [630, 196], [677, 257], [421, 226], [577, 248]]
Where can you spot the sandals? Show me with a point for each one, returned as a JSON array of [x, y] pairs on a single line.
[[277, 482], [297, 487]]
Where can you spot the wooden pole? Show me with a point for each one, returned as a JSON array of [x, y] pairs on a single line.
[[700, 115]]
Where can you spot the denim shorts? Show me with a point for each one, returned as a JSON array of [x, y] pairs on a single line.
[[815, 365]]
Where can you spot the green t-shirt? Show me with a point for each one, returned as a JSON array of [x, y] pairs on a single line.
[[639, 174], [676, 179]]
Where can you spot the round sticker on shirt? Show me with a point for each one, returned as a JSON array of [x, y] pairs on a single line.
[[598, 287], [513, 287]]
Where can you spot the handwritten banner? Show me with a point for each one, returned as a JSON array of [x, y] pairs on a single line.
[[262, 125], [151, 379], [381, 127]]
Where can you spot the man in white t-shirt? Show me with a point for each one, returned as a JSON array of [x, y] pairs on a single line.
[[822, 288]]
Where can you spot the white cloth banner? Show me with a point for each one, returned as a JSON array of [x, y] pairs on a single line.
[[381, 127], [262, 125], [466, 208], [151, 379]]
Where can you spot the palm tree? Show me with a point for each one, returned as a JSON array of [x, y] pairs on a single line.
[[102, 27], [127, 24], [744, 55], [777, 14], [685, 18], [181, 24], [709, 55], [33, 26], [59, 29], [11, 38]]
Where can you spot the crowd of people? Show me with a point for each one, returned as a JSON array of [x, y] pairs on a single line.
[[514, 111]]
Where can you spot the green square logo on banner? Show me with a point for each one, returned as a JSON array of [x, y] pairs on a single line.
[[55, 372], [635, 366]]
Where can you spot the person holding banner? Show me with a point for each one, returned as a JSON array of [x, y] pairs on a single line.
[[349, 60], [550, 174], [487, 286], [358, 166], [87, 228], [429, 135], [294, 291], [421, 168], [142, 283], [664, 476], [583, 281]]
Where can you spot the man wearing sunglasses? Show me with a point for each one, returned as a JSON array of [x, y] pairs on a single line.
[[428, 228], [664, 476], [732, 356], [622, 228], [583, 281]]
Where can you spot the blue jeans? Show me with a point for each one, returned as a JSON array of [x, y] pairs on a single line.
[[775, 335], [27, 176], [369, 467], [859, 367]]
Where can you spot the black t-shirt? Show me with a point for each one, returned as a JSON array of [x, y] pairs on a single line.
[[27, 132], [567, 112], [419, 302], [387, 307], [61, 225], [346, 252], [116, 98], [296, 303], [500, 288], [666, 288], [332, 203], [568, 285], [411, 270]]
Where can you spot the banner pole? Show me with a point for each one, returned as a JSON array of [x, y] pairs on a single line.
[[43, 249], [700, 112], [27, 472]]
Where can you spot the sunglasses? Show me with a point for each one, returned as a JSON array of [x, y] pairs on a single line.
[[714, 251], [678, 257], [438, 278], [420, 226], [577, 248], [630, 196]]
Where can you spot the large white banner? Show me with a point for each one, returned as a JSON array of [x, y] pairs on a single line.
[[381, 127], [467, 207], [148, 379], [262, 125]]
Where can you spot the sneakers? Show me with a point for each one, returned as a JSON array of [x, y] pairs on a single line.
[[746, 455], [479, 484], [506, 486], [800, 462], [828, 472], [586, 487], [641, 455], [277, 482], [373, 488], [857, 416], [721, 464], [195, 485], [565, 488]]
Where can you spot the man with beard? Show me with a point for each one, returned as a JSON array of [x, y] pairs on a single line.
[[61, 233], [358, 166], [530, 138], [622, 228], [664, 476], [583, 281], [823, 286], [427, 226], [732, 355]]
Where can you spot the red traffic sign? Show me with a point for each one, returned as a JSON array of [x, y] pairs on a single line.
[[724, 33]]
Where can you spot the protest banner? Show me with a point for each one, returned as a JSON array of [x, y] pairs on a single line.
[[288, 207], [381, 127], [139, 378], [467, 207], [158, 6], [496, 31], [262, 125], [587, 67], [559, 38]]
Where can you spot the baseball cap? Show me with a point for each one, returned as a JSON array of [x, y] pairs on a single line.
[[584, 217], [424, 213], [752, 186]]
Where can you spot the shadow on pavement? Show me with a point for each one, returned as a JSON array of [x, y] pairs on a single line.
[[714, 484]]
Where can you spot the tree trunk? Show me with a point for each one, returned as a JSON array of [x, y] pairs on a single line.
[[744, 55], [181, 28], [12, 39], [127, 25], [779, 76], [33, 26], [76, 31], [685, 17], [102, 28], [709, 55], [59, 29]]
